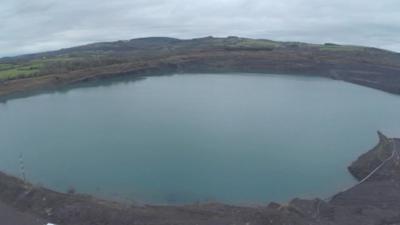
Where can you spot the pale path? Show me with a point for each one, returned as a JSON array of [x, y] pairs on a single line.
[[375, 199], [394, 158]]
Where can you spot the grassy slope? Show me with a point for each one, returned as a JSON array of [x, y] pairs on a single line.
[[24, 68], [108, 53], [11, 71]]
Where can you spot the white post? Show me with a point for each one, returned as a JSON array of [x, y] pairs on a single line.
[[22, 166]]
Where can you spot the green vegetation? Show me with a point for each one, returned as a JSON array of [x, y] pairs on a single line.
[[36, 67], [12, 71], [5, 66], [136, 50], [246, 43], [336, 47], [250, 43]]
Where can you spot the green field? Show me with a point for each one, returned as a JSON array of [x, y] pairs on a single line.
[[11, 71], [32, 68], [104, 54], [335, 47]]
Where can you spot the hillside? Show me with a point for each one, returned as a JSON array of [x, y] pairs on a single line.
[[362, 65]]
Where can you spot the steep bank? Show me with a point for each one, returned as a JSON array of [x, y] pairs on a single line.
[[374, 201], [370, 67], [366, 163]]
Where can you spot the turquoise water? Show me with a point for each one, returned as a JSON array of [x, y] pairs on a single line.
[[238, 138]]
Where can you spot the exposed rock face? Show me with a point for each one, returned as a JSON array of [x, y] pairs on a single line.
[[361, 65], [369, 161], [374, 201]]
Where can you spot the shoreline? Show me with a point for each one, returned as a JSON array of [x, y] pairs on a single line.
[[374, 201], [342, 208], [361, 69]]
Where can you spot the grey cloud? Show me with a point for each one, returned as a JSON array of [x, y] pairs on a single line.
[[37, 25]]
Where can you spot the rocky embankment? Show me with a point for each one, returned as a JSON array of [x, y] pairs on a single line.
[[373, 201], [370, 67], [366, 163]]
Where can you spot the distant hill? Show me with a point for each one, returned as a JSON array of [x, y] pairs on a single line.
[[363, 65]]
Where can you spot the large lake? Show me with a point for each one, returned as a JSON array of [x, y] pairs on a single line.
[[235, 138]]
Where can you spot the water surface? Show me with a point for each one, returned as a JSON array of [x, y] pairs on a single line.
[[238, 138]]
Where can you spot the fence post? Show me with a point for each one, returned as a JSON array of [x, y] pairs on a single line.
[[22, 166]]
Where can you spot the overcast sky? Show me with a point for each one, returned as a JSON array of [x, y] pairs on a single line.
[[28, 26]]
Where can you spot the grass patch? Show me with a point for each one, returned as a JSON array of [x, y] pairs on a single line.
[[250, 43], [18, 72], [31, 68], [335, 47], [4, 66], [12, 71], [245, 43]]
